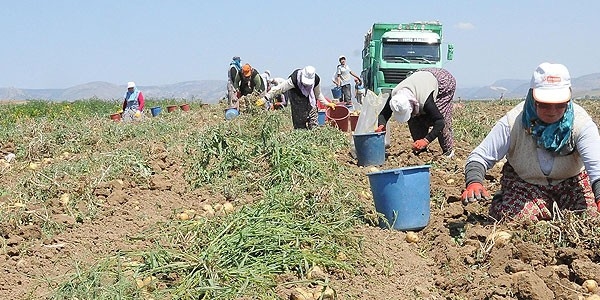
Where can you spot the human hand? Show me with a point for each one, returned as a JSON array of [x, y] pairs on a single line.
[[474, 192], [277, 104], [380, 128], [331, 105], [137, 114], [419, 145]]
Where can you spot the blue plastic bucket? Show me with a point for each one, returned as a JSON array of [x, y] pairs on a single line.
[[370, 148], [231, 113], [321, 117], [155, 111], [336, 92], [402, 196]]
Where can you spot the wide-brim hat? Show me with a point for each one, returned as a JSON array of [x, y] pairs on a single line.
[[401, 107], [308, 75]]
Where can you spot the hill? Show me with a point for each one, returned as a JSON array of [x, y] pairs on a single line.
[[587, 86], [211, 91]]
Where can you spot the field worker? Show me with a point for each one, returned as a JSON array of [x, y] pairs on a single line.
[[248, 81], [359, 91], [344, 79], [266, 79], [424, 100], [234, 67], [133, 105], [303, 92], [279, 100], [551, 148]]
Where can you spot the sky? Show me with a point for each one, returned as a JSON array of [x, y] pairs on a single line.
[[63, 43]]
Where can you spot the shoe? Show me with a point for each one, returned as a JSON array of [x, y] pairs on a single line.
[[449, 154]]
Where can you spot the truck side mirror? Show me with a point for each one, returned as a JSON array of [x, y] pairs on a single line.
[[450, 55]]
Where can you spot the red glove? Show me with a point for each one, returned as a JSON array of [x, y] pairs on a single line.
[[474, 191], [419, 145], [380, 128]]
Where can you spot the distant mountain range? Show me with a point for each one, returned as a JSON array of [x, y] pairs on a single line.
[[587, 86], [211, 91]]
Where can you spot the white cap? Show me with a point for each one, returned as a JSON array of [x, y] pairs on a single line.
[[401, 107], [551, 83], [308, 75], [342, 56], [131, 84]]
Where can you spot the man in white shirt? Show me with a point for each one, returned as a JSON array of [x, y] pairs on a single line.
[[344, 79]]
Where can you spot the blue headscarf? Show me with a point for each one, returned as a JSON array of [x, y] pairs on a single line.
[[131, 97], [556, 137], [237, 62]]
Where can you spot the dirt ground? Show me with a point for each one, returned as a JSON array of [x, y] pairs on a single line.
[[453, 259]]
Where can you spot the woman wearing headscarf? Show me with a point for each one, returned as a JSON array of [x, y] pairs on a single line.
[[551, 148], [303, 92], [424, 100], [234, 67], [133, 105]]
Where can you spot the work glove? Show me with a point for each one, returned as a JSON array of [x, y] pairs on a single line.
[[474, 192], [380, 128], [260, 102], [277, 104], [331, 105], [137, 114], [420, 145]]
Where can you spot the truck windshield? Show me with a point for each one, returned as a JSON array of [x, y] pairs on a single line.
[[411, 52]]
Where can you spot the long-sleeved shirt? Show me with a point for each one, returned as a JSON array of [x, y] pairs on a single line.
[[140, 100], [428, 108], [249, 85], [288, 85], [496, 145]]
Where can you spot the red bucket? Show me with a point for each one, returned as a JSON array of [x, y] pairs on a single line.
[[171, 108], [340, 116], [185, 107], [115, 117], [353, 121]]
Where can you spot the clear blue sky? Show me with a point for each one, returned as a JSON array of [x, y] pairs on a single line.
[[62, 43]]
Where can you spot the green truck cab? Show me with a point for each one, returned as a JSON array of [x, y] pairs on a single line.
[[392, 52]]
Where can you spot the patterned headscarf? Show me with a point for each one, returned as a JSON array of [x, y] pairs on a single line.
[[556, 137]]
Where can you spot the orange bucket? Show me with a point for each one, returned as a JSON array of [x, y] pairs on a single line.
[[340, 116], [185, 107], [116, 117], [171, 108]]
